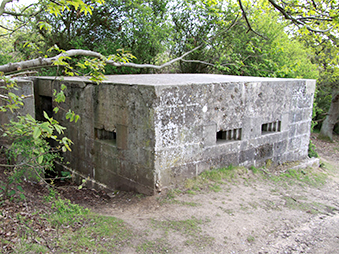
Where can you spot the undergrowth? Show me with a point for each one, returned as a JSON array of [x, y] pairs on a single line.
[[65, 227], [212, 179]]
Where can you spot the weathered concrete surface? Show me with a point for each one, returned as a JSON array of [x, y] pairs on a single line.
[[24, 87], [145, 132]]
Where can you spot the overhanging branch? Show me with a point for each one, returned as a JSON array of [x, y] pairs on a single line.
[[297, 21], [247, 21], [42, 62]]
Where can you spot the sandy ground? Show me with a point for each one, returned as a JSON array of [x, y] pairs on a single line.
[[247, 215]]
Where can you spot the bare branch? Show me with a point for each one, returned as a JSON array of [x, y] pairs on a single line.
[[247, 21], [42, 62], [198, 61], [25, 73]]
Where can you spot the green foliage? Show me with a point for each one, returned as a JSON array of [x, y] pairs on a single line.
[[230, 48], [212, 179], [311, 150], [254, 169], [29, 154], [65, 213]]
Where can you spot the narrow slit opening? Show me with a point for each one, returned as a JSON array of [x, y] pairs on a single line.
[[229, 135], [271, 127], [106, 136]]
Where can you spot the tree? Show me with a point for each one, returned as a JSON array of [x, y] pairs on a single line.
[[228, 46], [219, 27], [131, 17], [326, 55]]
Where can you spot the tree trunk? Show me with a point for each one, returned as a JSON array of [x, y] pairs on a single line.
[[332, 117]]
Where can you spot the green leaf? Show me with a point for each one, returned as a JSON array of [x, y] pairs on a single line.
[[36, 132], [46, 116], [11, 193], [40, 159], [77, 118], [20, 188], [56, 110], [46, 127]]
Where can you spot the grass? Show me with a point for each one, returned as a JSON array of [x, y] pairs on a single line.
[[310, 176], [213, 179], [95, 234], [100, 234], [189, 228], [250, 239], [158, 245], [170, 199], [66, 226], [76, 229]]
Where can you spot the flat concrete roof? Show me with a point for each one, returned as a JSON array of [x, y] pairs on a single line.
[[172, 79]]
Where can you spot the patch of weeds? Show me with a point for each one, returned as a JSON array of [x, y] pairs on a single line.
[[157, 246], [243, 207], [215, 175], [228, 211], [65, 212], [269, 205], [196, 183], [301, 176], [311, 150], [250, 238], [254, 205], [98, 234], [215, 187], [328, 166], [268, 163], [191, 192], [193, 204], [170, 199], [68, 226], [225, 240], [254, 169], [190, 228], [274, 191], [200, 242], [294, 204], [140, 195], [25, 247]]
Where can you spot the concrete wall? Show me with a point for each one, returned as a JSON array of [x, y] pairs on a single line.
[[114, 137], [24, 87], [257, 120], [145, 132]]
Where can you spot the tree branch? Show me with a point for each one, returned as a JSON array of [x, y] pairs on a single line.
[[42, 62], [296, 21], [247, 21], [3, 5]]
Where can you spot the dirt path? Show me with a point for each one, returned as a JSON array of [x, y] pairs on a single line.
[[247, 215]]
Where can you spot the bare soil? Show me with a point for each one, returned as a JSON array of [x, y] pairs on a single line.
[[249, 214]]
